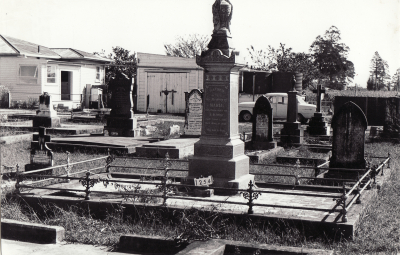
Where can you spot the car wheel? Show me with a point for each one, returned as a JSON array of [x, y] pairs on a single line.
[[301, 119], [246, 116]]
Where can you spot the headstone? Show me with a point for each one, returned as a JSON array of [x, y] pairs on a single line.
[[46, 116], [121, 122], [292, 133], [318, 125], [262, 138], [349, 125], [220, 152], [391, 127], [41, 155], [193, 113]]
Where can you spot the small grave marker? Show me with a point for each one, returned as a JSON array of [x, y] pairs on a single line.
[[262, 137], [318, 125], [203, 181], [41, 155], [193, 113]]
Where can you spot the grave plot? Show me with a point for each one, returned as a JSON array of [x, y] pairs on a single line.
[[286, 193]]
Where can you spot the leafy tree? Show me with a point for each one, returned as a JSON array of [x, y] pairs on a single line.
[[122, 62], [380, 72], [284, 60], [187, 47], [330, 57]]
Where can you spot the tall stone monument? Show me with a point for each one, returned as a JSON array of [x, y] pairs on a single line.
[[46, 116], [292, 132], [349, 125], [318, 125], [220, 152], [121, 122], [262, 138]]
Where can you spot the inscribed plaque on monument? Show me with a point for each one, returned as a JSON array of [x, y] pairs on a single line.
[[122, 100], [262, 127], [194, 114], [216, 110]]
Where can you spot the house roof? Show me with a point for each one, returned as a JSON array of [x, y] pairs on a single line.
[[13, 46], [69, 53]]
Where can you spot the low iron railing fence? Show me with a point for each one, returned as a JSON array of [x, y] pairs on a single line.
[[350, 191]]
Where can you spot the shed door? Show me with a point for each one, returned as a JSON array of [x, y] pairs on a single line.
[[167, 92]]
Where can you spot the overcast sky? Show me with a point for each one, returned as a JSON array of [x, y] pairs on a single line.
[[145, 25]]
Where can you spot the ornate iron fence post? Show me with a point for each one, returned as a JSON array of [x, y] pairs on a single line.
[[388, 163], [251, 195], [68, 167], [109, 160], [88, 183], [18, 180], [165, 178], [342, 202], [297, 181], [358, 201]]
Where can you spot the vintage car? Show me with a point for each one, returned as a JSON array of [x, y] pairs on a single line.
[[279, 103]]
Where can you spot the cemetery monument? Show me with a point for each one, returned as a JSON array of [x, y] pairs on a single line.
[[121, 122], [318, 125], [262, 138], [349, 125], [193, 113], [220, 152], [41, 155], [292, 132], [46, 116]]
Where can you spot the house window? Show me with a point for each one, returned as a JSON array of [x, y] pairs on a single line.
[[51, 74], [97, 74], [28, 74]]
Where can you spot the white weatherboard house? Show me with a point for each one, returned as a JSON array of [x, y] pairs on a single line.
[[161, 82], [28, 70]]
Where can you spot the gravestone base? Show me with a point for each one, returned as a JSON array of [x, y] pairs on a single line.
[[121, 126], [318, 126], [292, 132], [226, 172], [203, 192], [264, 145], [43, 121]]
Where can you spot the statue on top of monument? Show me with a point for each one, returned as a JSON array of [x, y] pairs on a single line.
[[222, 15]]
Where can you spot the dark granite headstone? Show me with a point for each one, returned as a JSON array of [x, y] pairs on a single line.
[[391, 127], [292, 132], [262, 138], [41, 155], [121, 122], [349, 125], [193, 113]]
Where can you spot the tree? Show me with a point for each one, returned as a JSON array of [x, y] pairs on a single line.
[[284, 60], [380, 72], [330, 57], [396, 80], [122, 62], [370, 83], [187, 47]]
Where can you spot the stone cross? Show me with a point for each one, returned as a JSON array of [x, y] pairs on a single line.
[[349, 125], [262, 137], [319, 92], [166, 92]]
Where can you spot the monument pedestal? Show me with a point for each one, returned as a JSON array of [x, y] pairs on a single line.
[[44, 121], [292, 132], [224, 159], [318, 126], [264, 145], [121, 126]]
